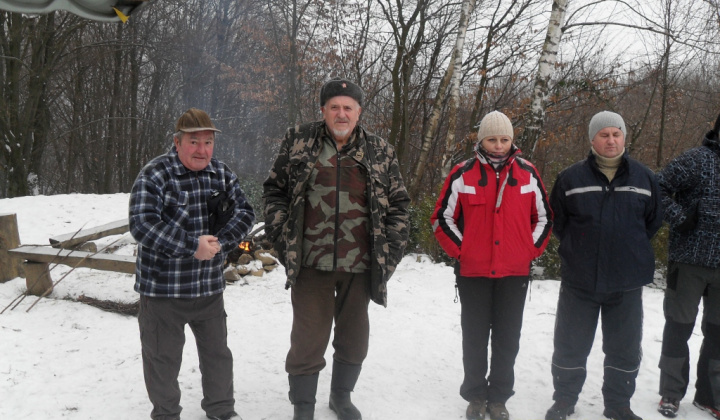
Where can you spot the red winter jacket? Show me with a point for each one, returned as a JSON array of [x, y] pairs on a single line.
[[494, 223]]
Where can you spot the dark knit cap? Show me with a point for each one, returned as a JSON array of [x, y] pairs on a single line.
[[340, 87]]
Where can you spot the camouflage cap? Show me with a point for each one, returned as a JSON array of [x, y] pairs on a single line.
[[194, 120], [340, 87]]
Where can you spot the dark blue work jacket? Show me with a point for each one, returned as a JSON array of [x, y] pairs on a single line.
[[605, 227]]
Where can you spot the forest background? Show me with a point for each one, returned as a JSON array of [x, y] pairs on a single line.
[[84, 105]]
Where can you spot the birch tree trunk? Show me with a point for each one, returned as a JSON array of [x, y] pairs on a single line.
[[432, 129], [451, 146], [535, 117], [450, 75]]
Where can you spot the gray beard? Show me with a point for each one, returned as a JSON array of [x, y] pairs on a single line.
[[340, 133]]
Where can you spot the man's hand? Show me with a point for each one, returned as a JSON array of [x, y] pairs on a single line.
[[208, 246]]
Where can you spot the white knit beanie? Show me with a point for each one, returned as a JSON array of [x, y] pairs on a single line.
[[495, 124], [606, 119]]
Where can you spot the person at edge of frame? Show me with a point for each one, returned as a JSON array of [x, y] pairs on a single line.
[[690, 188]]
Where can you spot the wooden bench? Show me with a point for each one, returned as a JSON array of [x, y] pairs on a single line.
[[71, 240], [72, 258], [38, 258]]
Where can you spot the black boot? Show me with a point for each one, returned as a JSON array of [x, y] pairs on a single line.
[[302, 395], [344, 378]]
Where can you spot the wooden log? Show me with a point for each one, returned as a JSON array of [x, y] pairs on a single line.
[[106, 262], [9, 239], [37, 278], [70, 240]]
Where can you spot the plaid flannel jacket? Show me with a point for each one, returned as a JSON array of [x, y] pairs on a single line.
[[168, 212]]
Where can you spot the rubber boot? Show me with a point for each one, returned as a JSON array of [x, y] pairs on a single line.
[[343, 382], [302, 395]]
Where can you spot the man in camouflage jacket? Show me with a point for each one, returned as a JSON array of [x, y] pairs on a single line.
[[336, 212]]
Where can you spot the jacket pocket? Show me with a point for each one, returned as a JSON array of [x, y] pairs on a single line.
[[176, 207], [280, 246], [380, 183], [476, 199]]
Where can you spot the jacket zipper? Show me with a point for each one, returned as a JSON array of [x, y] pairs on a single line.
[[337, 211]]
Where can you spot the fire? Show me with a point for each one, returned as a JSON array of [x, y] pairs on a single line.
[[244, 246]]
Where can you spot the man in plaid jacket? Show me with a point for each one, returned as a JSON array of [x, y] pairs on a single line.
[[179, 265]]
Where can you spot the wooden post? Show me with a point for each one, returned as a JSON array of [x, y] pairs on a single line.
[[37, 278], [10, 266]]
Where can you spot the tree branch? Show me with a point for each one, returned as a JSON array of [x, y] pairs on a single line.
[[626, 25]]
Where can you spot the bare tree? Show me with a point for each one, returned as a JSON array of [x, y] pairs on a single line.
[[500, 43], [287, 19], [30, 50], [535, 117], [408, 36], [456, 63], [84, 105]]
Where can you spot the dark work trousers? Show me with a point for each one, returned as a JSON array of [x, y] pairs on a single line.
[[491, 309], [162, 335], [575, 325], [318, 297], [686, 285]]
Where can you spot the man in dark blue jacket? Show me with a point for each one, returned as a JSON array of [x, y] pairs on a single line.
[[607, 208], [690, 186]]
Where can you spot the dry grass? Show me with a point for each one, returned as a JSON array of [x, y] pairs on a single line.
[[123, 308]]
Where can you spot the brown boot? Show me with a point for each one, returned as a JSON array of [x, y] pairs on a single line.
[[498, 411], [476, 410]]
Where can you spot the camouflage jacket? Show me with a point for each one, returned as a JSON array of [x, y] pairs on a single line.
[[284, 201]]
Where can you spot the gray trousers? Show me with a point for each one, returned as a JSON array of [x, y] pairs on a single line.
[[318, 297], [686, 285], [162, 335]]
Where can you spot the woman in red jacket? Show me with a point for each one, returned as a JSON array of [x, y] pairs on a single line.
[[493, 217]]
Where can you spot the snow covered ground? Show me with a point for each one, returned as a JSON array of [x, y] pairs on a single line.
[[67, 360]]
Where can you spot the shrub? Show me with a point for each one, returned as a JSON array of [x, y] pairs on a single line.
[[549, 261], [253, 192], [422, 240]]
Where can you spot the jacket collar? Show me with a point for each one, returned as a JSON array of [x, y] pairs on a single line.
[[482, 157], [355, 147], [357, 137], [624, 165], [711, 142]]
